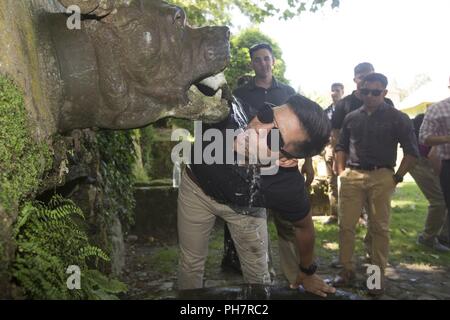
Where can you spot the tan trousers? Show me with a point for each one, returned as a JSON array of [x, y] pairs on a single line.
[[357, 186], [196, 217], [332, 181], [430, 186], [287, 247]]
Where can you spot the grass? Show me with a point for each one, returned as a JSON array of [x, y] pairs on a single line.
[[409, 209], [164, 260]]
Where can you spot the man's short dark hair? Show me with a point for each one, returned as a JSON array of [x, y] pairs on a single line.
[[260, 46], [376, 77], [315, 122], [364, 67], [337, 84]]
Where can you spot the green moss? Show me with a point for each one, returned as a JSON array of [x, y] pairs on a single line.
[[22, 160], [118, 159], [165, 260]]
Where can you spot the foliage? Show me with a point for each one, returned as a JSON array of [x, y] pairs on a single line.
[[240, 57], [22, 160], [201, 12], [49, 239], [118, 157], [156, 146]]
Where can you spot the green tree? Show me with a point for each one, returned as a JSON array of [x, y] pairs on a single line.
[[201, 12], [240, 57]]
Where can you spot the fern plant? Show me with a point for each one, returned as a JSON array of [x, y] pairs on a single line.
[[49, 239]]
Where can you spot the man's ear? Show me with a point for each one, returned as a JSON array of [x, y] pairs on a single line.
[[287, 163], [385, 93], [273, 60]]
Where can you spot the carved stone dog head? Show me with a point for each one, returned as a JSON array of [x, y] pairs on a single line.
[[134, 62]]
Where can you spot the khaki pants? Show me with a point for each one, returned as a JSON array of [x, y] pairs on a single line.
[[430, 186], [356, 187], [287, 247], [332, 181], [196, 217]]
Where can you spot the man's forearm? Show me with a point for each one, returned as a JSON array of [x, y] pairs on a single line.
[[407, 164], [305, 237], [436, 140], [341, 159]]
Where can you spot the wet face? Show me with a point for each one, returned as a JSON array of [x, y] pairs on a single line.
[[336, 93], [372, 94], [262, 63], [285, 124]]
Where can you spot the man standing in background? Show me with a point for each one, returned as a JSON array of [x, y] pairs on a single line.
[[366, 157], [435, 131], [264, 89], [337, 92]]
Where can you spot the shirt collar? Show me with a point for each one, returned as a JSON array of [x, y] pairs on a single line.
[[382, 107], [275, 84]]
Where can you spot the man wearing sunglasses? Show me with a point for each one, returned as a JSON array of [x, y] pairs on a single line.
[[239, 194], [366, 157], [261, 91], [348, 104]]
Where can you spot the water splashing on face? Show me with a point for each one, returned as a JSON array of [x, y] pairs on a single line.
[[253, 171], [238, 114]]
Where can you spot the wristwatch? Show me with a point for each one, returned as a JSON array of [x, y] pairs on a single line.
[[397, 178], [310, 270]]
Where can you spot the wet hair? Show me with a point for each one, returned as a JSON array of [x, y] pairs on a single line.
[[260, 46], [314, 121], [376, 77], [337, 84], [364, 67]]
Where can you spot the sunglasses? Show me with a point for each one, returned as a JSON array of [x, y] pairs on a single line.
[[266, 115], [374, 92]]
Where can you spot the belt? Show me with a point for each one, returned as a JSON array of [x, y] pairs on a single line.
[[370, 168], [192, 176]]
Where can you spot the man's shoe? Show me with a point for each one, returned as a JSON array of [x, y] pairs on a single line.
[[344, 278], [432, 244], [331, 220]]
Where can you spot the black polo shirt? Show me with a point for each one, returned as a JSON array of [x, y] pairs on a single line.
[[246, 191], [345, 106], [372, 139], [254, 96]]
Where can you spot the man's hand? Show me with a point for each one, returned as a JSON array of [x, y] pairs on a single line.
[[313, 284], [308, 171]]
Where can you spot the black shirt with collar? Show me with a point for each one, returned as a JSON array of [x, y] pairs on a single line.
[[232, 184], [345, 106], [372, 139], [255, 97]]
